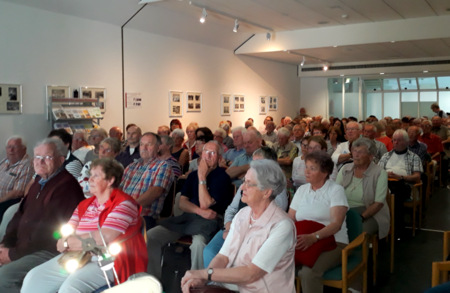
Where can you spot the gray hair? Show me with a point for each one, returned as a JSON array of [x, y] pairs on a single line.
[[113, 143], [402, 132], [359, 124], [368, 143], [269, 176], [16, 137], [80, 132], [223, 133], [219, 147], [60, 149], [239, 128], [284, 131], [101, 131], [167, 140], [178, 132]]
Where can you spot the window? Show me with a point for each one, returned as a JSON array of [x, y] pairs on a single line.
[[395, 97]]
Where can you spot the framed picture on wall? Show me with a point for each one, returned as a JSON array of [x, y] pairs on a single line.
[[262, 105], [98, 93], [225, 105], [194, 101], [10, 99], [56, 92], [175, 103], [239, 103], [273, 103]]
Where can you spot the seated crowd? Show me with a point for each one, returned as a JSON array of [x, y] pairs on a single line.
[[242, 194]]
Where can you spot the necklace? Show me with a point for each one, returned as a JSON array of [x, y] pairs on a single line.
[[251, 217]]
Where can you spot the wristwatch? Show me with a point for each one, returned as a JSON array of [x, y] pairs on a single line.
[[317, 237], [210, 272], [202, 182]]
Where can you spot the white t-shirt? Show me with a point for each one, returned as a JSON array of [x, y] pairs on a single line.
[[397, 164], [315, 205]]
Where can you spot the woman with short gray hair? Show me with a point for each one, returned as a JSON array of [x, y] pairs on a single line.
[[365, 185], [177, 150], [261, 241]]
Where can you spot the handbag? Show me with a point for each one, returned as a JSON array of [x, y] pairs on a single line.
[[309, 256], [82, 257]]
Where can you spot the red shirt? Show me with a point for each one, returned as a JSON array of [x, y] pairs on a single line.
[[433, 142]]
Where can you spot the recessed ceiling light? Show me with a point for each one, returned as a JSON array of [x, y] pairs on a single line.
[[381, 73], [344, 15], [392, 42], [335, 46], [425, 71]]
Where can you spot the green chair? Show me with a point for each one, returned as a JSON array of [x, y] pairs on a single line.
[[354, 257]]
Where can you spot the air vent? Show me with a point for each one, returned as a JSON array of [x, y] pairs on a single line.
[[363, 66]]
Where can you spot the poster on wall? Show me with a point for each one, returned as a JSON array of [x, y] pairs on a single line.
[[194, 101], [10, 99], [175, 103], [273, 103], [262, 105], [133, 100], [239, 103], [98, 93], [225, 104]]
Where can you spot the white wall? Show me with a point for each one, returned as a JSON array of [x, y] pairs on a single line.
[[38, 48], [154, 65], [314, 95]]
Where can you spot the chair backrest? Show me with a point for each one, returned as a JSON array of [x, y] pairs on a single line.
[[354, 224], [167, 209]]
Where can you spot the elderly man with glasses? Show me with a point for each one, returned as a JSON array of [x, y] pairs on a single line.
[[342, 155], [30, 236]]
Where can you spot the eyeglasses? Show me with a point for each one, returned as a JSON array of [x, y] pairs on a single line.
[[248, 184], [208, 152], [305, 145], [40, 158], [107, 150]]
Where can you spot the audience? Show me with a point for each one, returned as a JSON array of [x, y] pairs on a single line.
[[400, 146], [53, 196]]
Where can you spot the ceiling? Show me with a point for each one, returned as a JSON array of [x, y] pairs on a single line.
[[317, 31]]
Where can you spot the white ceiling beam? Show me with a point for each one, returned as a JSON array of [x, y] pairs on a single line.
[[355, 34]]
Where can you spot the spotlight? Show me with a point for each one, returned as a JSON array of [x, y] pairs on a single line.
[[303, 61], [325, 67], [268, 36], [236, 26], [204, 15]]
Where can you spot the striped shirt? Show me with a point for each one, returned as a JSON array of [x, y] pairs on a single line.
[[119, 219], [16, 176]]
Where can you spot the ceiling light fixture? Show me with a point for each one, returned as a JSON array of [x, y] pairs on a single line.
[[303, 61], [268, 36], [325, 67], [236, 26], [204, 15], [425, 71]]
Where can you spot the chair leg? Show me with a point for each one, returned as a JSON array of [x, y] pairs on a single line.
[[414, 219], [298, 285], [375, 257], [392, 253]]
